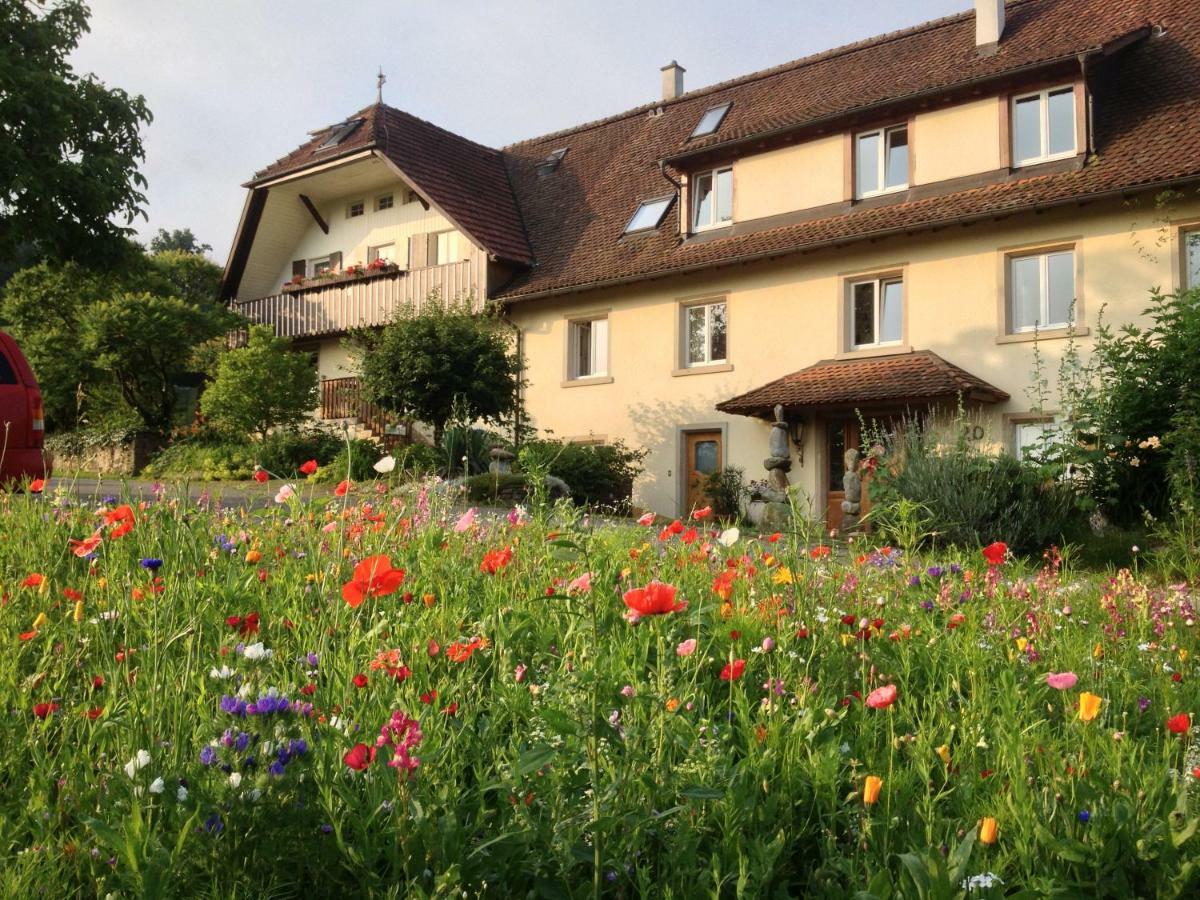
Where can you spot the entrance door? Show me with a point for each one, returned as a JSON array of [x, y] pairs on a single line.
[[841, 435], [704, 457]]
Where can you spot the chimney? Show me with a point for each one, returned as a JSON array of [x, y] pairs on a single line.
[[989, 23], [672, 80]]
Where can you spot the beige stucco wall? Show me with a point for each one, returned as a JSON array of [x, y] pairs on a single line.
[[786, 315], [794, 178], [960, 140]]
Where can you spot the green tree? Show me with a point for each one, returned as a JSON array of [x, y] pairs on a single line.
[[444, 362], [177, 273], [261, 386], [181, 240], [71, 146], [147, 342]]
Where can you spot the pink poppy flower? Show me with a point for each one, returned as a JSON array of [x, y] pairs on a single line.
[[882, 697], [465, 521], [1061, 681], [687, 648]]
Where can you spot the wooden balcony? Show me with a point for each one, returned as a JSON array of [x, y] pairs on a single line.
[[362, 302]]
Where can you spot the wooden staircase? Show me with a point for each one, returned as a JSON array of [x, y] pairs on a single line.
[[341, 400]]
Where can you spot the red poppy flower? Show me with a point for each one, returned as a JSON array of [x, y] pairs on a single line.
[[122, 514], [655, 599], [342, 489], [309, 468], [373, 577], [246, 626], [309, 689], [820, 552], [359, 757], [33, 580], [94, 713], [36, 486], [995, 553], [360, 680], [452, 709], [261, 476], [72, 594], [495, 560], [702, 513], [774, 538], [460, 652], [689, 536], [428, 697], [882, 697], [121, 530], [1179, 724], [723, 584], [42, 710], [733, 671]]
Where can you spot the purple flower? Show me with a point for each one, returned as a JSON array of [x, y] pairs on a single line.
[[276, 768], [914, 581], [208, 756], [213, 824], [242, 741], [955, 569], [927, 605], [1143, 704], [1084, 816], [152, 564], [312, 660], [935, 571]]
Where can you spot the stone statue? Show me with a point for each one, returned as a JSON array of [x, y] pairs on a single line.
[[779, 463], [852, 490]]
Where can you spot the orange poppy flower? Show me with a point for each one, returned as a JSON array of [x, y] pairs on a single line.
[[373, 577], [871, 787], [1089, 706]]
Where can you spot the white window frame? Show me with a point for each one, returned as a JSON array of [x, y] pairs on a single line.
[[718, 114], [598, 348], [374, 254], [879, 281], [382, 199], [713, 221], [708, 306], [1043, 258], [665, 202], [880, 160], [1048, 423], [1044, 126], [313, 263], [1186, 235], [362, 209]]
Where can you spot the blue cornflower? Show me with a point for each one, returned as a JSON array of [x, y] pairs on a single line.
[[914, 580], [935, 571], [208, 756], [241, 741], [955, 569], [312, 660], [152, 564], [326, 829], [1084, 816], [276, 769], [213, 824]]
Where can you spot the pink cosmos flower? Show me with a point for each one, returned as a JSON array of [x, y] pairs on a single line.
[[687, 648], [1061, 681], [465, 521]]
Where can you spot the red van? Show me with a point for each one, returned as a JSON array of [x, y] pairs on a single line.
[[21, 454]]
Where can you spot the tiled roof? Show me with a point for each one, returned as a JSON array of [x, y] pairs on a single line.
[[465, 179], [1147, 132], [909, 377]]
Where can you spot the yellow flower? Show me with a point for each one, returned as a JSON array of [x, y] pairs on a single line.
[[1097, 651], [726, 610], [102, 583], [783, 576], [1022, 643], [944, 752], [41, 620], [1183, 655], [1089, 706], [78, 611], [871, 787], [988, 830]]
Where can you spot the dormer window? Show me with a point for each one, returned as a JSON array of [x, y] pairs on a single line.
[[881, 161], [649, 215], [712, 199], [710, 121], [339, 133], [1043, 126], [355, 209], [549, 165]]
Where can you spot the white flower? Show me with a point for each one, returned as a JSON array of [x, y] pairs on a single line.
[[181, 794], [256, 652], [729, 537], [385, 465], [235, 779], [157, 786], [254, 795], [983, 881], [139, 761], [222, 673]]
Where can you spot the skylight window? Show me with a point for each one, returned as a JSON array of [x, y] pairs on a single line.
[[649, 214], [550, 163], [339, 133], [710, 121]]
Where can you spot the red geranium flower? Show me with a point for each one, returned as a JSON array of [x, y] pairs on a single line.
[[359, 757], [373, 577], [309, 468], [995, 553], [1179, 724], [733, 671], [882, 697], [655, 599]]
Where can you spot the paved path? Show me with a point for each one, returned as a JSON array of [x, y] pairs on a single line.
[[249, 495]]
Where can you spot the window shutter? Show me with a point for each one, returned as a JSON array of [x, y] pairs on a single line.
[[299, 268], [600, 347], [418, 251], [372, 254], [335, 261], [432, 256]]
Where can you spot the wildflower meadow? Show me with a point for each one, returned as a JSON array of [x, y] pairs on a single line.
[[375, 693]]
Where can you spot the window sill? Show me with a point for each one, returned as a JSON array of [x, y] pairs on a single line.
[[871, 195], [702, 370], [887, 350], [1049, 334], [583, 382]]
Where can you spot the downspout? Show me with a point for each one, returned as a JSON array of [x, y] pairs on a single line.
[[1089, 108], [662, 170]]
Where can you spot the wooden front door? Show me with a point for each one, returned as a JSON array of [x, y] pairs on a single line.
[[841, 435], [704, 456]]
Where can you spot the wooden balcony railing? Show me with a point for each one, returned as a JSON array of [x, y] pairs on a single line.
[[341, 398], [372, 300]]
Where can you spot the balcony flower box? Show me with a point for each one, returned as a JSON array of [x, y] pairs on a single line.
[[350, 273]]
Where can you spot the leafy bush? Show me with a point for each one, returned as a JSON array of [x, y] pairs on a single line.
[[216, 458], [474, 445], [261, 386], [600, 475], [355, 461], [968, 496], [726, 488]]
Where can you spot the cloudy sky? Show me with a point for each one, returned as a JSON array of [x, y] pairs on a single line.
[[234, 84]]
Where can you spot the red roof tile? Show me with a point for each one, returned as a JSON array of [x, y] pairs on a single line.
[[922, 377]]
